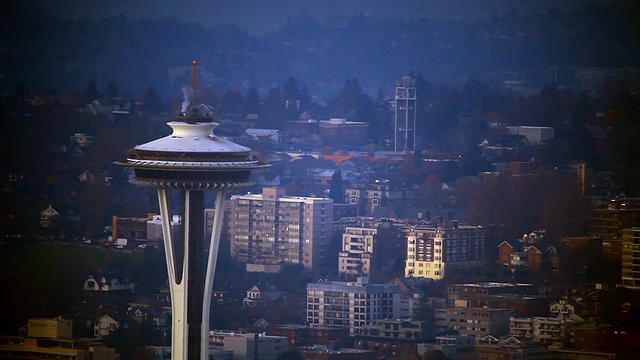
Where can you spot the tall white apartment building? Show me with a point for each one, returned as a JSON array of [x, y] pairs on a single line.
[[271, 229], [351, 304], [433, 249]]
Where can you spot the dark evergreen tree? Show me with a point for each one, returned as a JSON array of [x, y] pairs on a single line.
[[580, 140], [252, 101], [112, 90], [127, 340], [91, 91], [291, 97], [290, 89], [233, 103], [305, 98], [273, 109], [151, 100], [290, 354], [336, 188]]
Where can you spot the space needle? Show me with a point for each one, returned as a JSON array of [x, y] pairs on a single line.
[[191, 160]]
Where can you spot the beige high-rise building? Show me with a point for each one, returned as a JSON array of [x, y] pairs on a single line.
[[433, 249], [631, 258], [271, 229]]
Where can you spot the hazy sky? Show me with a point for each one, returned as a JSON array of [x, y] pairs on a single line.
[[260, 16]]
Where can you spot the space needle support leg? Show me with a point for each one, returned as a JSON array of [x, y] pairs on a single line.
[[214, 245], [176, 285]]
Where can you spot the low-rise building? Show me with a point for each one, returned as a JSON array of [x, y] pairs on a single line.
[[367, 196], [326, 353], [129, 227], [343, 132], [515, 348], [52, 339], [412, 296], [476, 321], [303, 335], [522, 298], [249, 346], [449, 344], [351, 304], [390, 338], [541, 330]]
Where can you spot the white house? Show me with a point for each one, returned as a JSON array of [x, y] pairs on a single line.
[[272, 134], [48, 216], [108, 323], [258, 295], [108, 283], [534, 134]]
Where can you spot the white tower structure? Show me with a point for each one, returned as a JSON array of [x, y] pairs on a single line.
[[405, 115], [190, 161]]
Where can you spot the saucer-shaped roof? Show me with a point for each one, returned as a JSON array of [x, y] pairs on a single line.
[[192, 137], [192, 158]]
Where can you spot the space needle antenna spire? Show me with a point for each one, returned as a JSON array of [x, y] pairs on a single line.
[[193, 84], [191, 161]]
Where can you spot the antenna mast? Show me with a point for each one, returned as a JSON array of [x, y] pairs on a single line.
[[193, 85]]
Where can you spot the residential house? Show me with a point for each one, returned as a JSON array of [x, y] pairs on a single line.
[[504, 147], [82, 139], [260, 295], [528, 257], [226, 296], [108, 282], [108, 323], [49, 216], [273, 135], [566, 309], [157, 316]]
